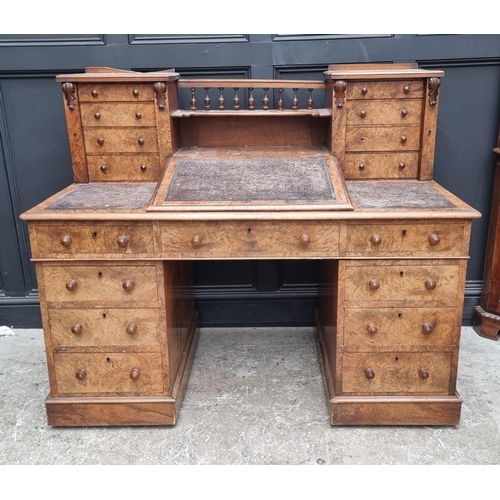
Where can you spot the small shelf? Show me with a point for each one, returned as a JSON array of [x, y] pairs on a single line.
[[186, 113]]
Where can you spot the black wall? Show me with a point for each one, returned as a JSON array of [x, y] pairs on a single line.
[[35, 160]]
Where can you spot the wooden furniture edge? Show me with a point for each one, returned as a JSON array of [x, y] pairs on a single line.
[[486, 324]]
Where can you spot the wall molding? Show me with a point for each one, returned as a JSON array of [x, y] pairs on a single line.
[[58, 40], [302, 38], [169, 39]]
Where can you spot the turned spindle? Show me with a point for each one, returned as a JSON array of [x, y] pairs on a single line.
[[265, 101], [236, 99], [251, 100], [207, 99], [310, 101], [281, 105], [295, 100], [193, 98], [221, 98]]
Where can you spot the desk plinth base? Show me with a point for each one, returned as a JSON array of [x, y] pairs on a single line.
[[121, 411]]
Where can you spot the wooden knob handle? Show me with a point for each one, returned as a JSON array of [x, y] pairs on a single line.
[[71, 285], [434, 239], [404, 138], [77, 328], [94, 93], [122, 241], [369, 374], [66, 240], [427, 328], [402, 165], [131, 328], [376, 239], [305, 240], [140, 141], [362, 113], [135, 92], [423, 373], [97, 115], [430, 284], [404, 113], [196, 241], [128, 285], [81, 374], [144, 168], [372, 328], [104, 169], [406, 89], [361, 166], [364, 90], [134, 373], [138, 115], [374, 284], [100, 141]]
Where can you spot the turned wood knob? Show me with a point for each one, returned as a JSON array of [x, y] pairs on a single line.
[[369, 374], [362, 113], [134, 374], [427, 328], [138, 115], [144, 168], [77, 329], [406, 89], [131, 328], [423, 373], [305, 240], [122, 241], [104, 169], [140, 141], [196, 241], [94, 93], [71, 285], [364, 90], [100, 141], [402, 165], [430, 284], [374, 284], [81, 374], [404, 138], [128, 285], [97, 115], [66, 240], [361, 166], [404, 113], [434, 239], [372, 328], [376, 239], [135, 92]]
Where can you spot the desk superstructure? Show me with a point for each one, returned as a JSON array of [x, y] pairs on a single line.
[[157, 187]]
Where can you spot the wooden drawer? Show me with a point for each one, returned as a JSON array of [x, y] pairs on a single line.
[[401, 89], [60, 240], [97, 92], [104, 327], [108, 373], [416, 372], [382, 138], [100, 140], [281, 239], [398, 112], [411, 281], [381, 165], [145, 168], [369, 328], [405, 239], [118, 114], [100, 283]]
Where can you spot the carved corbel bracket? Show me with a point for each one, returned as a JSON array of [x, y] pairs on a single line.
[[434, 84], [160, 89], [339, 87], [69, 90]]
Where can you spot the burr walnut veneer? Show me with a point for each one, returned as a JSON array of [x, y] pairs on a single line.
[[251, 169]]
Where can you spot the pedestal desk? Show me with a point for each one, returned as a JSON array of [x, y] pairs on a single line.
[[251, 169]]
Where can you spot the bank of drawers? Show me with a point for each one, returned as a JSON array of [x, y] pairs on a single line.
[[400, 326], [383, 129]]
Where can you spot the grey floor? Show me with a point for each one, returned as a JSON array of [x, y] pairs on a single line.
[[255, 396]]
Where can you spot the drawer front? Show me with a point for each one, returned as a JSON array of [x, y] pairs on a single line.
[[144, 168], [381, 165], [366, 328], [114, 284], [69, 240], [401, 89], [100, 140], [397, 112], [102, 373], [421, 372], [394, 282], [97, 92], [405, 239], [250, 239], [104, 327], [118, 114], [382, 138]]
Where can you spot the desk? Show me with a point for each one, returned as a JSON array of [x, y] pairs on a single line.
[[157, 187]]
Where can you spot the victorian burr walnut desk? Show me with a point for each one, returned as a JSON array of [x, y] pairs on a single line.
[[338, 170]]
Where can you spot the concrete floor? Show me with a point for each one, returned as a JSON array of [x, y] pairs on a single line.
[[255, 396]]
